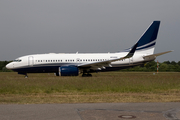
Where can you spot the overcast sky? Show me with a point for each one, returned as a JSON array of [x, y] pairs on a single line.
[[68, 26]]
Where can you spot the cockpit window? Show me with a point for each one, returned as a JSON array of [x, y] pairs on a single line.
[[17, 60]]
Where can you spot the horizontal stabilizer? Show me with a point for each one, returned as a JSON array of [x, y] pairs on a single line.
[[157, 54]]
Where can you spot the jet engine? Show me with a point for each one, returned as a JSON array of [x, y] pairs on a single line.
[[67, 71]]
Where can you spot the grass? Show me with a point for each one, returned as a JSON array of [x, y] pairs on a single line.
[[102, 87]]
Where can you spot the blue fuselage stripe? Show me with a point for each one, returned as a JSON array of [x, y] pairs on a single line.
[[55, 68]]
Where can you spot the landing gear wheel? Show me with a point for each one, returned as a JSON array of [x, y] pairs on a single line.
[[57, 74], [89, 75], [86, 75], [26, 76]]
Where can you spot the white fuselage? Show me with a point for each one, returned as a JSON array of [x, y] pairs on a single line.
[[52, 61]]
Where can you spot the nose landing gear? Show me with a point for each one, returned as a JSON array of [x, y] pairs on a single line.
[[26, 76]]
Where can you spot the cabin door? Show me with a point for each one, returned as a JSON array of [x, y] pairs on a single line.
[[30, 61]]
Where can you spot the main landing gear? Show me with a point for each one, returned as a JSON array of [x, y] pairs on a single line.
[[86, 74]]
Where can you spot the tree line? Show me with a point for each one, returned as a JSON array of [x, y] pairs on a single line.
[[3, 66], [166, 66]]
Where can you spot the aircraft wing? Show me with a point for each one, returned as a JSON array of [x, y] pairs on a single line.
[[101, 64], [157, 54]]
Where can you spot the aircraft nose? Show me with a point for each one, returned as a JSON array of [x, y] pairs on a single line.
[[9, 66]]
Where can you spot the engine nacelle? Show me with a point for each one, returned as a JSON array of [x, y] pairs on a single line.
[[68, 71]]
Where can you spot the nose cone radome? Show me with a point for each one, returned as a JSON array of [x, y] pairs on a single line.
[[9, 66]]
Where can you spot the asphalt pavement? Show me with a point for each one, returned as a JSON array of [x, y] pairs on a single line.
[[91, 111]]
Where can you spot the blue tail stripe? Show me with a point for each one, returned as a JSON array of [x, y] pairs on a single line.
[[141, 48], [149, 46]]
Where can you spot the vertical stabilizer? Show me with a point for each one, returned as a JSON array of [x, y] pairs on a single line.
[[148, 40], [146, 43]]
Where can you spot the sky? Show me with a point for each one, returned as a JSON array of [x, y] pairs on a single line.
[[87, 26]]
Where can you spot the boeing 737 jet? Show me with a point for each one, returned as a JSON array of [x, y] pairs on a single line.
[[85, 63]]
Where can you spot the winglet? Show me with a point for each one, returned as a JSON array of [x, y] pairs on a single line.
[[107, 62], [132, 51]]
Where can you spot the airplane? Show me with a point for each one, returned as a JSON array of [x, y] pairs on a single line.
[[73, 64]]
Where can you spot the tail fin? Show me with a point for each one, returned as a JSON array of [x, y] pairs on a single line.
[[148, 39], [146, 43]]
